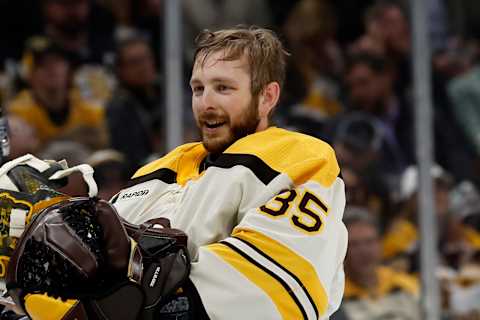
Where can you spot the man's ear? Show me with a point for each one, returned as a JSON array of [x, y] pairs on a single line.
[[268, 99]]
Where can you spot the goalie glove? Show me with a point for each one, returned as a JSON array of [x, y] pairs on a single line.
[[72, 260], [159, 262], [77, 250]]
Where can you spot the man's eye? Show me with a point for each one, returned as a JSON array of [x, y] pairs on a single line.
[[197, 90], [222, 87]]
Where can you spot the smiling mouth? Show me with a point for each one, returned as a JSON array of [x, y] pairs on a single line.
[[214, 124]]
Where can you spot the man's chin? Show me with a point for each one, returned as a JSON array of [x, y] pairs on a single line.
[[216, 145]]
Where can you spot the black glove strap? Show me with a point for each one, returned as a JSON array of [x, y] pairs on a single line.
[[123, 302], [186, 304]]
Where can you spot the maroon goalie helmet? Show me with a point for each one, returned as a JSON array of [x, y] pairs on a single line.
[[76, 248]]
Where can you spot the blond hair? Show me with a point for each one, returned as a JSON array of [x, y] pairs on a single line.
[[265, 53]]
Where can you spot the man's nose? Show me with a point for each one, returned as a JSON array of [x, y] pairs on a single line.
[[207, 99]]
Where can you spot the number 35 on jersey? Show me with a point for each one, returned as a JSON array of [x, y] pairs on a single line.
[[304, 209]]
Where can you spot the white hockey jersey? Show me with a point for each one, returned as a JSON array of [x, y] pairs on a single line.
[[264, 222]]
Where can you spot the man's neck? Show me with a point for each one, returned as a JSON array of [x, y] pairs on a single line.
[[208, 161]]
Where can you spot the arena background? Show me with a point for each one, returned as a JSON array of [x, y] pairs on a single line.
[[394, 86]]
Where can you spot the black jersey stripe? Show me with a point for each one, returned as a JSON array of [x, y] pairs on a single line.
[[270, 273], [266, 256], [164, 174], [228, 160]]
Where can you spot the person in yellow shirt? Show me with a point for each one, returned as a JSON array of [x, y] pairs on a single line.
[[457, 237], [49, 105], [373, 291]]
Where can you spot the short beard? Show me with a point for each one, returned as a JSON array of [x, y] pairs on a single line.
[[246, 125]]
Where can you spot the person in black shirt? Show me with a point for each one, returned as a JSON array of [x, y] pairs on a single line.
[[134, 114]]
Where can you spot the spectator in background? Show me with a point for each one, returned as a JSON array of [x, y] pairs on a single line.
[[357, 141], [361, 191], [110, 172], [48, 105], [84, 30], [310, 31], [387, 33], [387, 30], [80, 27], [464, 93], [373, 291], [465, 203], [147, 16], [370, 84], [357, 138], [351, 25], [401, 241], [462, 284], [135, 113]]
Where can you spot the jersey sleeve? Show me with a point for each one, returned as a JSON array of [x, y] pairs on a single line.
[[283, 260]]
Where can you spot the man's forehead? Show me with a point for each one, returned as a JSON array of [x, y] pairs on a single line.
[[219, 58]]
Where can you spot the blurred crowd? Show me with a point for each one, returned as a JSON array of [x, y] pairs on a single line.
[[82, 80]]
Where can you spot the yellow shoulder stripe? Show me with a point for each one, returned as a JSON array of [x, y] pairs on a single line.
[[183, 160], [300, 156]]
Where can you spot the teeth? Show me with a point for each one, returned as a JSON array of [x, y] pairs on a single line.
[[213, 123]]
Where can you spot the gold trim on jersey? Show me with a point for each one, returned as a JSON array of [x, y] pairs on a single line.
[[278, 295], [300, 156], [289, 260], [184, 161]]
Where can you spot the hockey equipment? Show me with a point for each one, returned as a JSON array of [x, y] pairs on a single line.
[[28, 185], [77, 250]]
